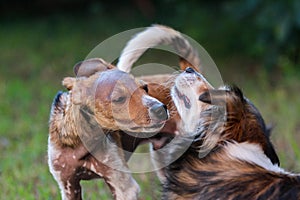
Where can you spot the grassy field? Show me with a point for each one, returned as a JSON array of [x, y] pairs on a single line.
[[37, 54]]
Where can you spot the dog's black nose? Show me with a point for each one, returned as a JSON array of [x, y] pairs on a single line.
[[189, 70], [160, 111]]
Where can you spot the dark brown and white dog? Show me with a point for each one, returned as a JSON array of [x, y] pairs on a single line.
[[231, 156], [87, 122]]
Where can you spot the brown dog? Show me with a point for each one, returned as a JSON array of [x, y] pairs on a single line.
[[85, 128], [231, 156]]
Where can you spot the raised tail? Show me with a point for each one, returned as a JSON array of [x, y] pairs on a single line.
[[154, 36]]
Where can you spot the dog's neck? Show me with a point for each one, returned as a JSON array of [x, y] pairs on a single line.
[[246, 152], [251, 153], [71, 123], [62, 125]]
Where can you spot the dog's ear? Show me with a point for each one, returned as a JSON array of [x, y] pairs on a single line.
[[91, 66], [69, 82], [144, 85], [214, 97]]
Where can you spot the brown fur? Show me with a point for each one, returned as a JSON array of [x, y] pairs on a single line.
[[85, 123]]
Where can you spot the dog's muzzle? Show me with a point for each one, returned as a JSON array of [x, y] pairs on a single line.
[[159, 111]]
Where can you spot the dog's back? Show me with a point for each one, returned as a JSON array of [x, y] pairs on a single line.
[[222, 176]]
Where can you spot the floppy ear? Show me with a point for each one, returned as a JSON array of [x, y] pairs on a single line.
[[91, 66], [69, 82], [144, 85], [214, 97]]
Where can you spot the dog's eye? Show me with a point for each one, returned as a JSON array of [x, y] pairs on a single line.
[[120, 99], [145, 87]]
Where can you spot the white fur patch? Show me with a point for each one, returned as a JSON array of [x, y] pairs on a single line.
[[148, 100], [130, 192], [252, 153], [93, 169], [68, 190], [53, 154]]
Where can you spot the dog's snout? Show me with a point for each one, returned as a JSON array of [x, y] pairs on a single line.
[[160, 111], [189, 70]]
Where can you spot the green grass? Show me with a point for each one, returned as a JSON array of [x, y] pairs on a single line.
[[37, 54]]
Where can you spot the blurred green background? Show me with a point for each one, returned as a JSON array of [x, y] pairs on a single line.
[[255, 44]]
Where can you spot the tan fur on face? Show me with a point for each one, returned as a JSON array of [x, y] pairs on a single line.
[[97, 95], [114, 86], [159, 87]]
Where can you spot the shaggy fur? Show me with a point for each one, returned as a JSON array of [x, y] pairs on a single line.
[[231, 156], [85, 128]]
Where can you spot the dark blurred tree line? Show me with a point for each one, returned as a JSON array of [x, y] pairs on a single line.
[[275, 27], [262, 29]]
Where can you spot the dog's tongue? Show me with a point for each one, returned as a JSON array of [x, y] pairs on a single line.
[[159, 143]]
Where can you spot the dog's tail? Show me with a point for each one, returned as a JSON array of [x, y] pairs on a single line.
[[154, 36]]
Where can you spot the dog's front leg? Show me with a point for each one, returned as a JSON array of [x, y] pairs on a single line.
[[107, 159], [68, 182], [113, 168], [122, 185], [71, 189]]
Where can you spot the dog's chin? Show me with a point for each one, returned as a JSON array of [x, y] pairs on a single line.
[[153, 128], [131, 141]]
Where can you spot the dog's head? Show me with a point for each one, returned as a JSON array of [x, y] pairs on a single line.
[[115, 98], [217, 116], [188, 86]]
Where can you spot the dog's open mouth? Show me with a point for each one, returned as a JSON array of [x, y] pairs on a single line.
[[160, 140], [185, 99], [131, 141]]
